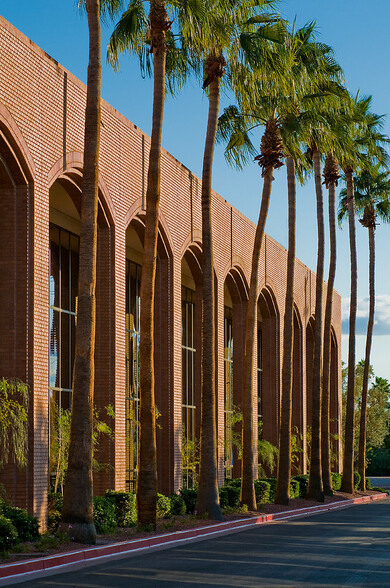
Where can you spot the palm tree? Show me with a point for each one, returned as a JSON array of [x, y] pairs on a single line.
[[331, 176], [217, 46], [232, 126], [77, 511], [364, 141], [305, 59], [315, 69], [372, 198], [142, 35]]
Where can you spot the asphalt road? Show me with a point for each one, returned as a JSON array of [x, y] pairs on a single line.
[[348, 547]]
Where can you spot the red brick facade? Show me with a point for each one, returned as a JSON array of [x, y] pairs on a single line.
[[41, 147]]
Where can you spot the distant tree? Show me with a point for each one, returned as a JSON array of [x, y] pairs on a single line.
[[378, 406], [372, 200]]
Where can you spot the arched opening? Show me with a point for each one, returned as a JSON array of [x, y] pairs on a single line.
[[16, 253], [268, 369], [235, 303], [309, 374], [191, 316], [309, 369], [162, 355], [297, 422], [64, 234], [334, 408]]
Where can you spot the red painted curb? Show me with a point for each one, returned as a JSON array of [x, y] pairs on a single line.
[[39, 566]]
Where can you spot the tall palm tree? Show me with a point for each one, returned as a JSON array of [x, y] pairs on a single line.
[[233, 128], [217, 47], [363, 141], [315, 69], [150, 35], [77, 512], [301, 58], [372, 198], [331, 176]]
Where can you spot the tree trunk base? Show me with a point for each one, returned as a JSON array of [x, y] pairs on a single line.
[[317, 495], [284, 500], [328, 491], [79, 532], [214, 513]]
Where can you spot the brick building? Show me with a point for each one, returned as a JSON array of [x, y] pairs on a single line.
[[41, 168]]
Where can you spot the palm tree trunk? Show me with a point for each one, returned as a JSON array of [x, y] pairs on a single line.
[[314, 490], [325, 425], [77, 509], [284, 464], [147, 466], [247, 487], [208, 498], [363, 414], [347, 483]]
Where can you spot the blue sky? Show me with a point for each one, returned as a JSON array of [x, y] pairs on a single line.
[[359, 35]]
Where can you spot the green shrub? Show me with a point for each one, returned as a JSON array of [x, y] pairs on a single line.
[[356, 480], [368, 484], [236, 482], [336, 481], [125, 504], [8, 534], [272, 482], [378, 489], [103, 514], [163, 506], [233, 495], [26, 525], [178, 506], [262, 491], [303, 481], [223, 497], [295, 488], [189, 496]]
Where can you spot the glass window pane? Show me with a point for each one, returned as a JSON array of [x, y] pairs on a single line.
[[65, 351], [54, 267], [65, 269]]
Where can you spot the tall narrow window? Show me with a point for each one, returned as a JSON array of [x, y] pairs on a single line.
[[228, 364], [260, 379], [189, 449], [63, 286], [133, 309]]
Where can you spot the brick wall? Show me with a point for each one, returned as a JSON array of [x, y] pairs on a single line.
[[41, 121]]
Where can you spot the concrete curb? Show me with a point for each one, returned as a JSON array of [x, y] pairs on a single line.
[[16, 573]]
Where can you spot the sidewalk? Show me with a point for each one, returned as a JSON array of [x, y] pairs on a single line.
[[16, 573]]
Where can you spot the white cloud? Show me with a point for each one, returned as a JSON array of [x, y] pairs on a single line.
[[382, 315]]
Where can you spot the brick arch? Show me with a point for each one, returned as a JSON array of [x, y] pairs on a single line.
[[17, 173], [165, 244], [237, 284], [135, 218], [268, 363], [334, 399], [16, 144], [309, 367], [193, 256], [71, 168], [298, 384], [234, 325], [194, 237], [68, 173]]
